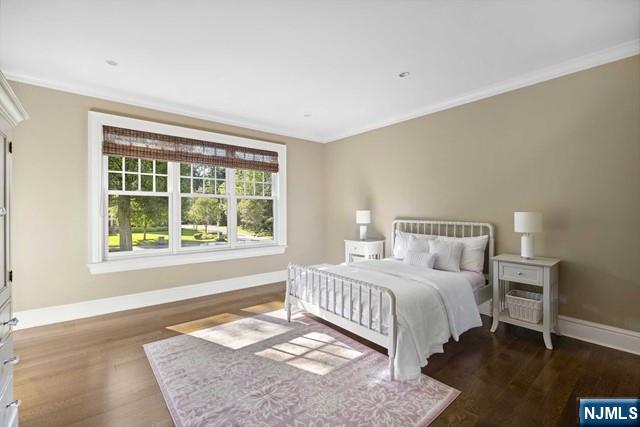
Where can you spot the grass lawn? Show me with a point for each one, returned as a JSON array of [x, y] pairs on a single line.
[[154, 236]]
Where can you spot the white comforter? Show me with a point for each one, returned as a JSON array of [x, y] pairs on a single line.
[[432, 306]]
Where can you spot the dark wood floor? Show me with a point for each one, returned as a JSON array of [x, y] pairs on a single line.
[[93, 372]]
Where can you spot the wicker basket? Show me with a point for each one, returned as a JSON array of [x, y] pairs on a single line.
[[524, 305]]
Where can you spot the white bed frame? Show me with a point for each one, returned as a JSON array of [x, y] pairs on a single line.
[[314, 279]]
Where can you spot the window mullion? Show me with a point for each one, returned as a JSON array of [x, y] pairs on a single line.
[[232, 206], [175, 213]]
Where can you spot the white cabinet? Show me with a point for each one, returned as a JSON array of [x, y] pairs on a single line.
[[11, 113]]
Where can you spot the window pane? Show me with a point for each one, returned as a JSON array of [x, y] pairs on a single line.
[[204, 222], [221, 187], [131, 165], [146, 166], [161, 183], [115, 181], [198, 185], [253, 183], [115, 163], [138, 223], [199, 170], [146, 183], [255, 220], [221, 173], [185, 169], [161, 167], [185, 185], [209, 186], [131, 182]]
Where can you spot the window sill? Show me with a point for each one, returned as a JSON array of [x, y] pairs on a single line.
[[140, 263]]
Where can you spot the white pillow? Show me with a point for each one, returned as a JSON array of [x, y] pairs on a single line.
[[448, 254], [417, 244], [420, 258], [401, 242], [472, 253]]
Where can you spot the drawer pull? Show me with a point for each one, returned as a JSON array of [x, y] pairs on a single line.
[[12, 361], [11, 322], [14, 404], [519, 273]]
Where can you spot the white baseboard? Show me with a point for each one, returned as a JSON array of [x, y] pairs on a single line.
[[485, 308], [63, 313], [597, 333]]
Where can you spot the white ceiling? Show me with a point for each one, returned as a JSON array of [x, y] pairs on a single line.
[[265, 64]]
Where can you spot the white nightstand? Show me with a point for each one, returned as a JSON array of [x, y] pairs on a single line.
[[542, 272], [355, 250]]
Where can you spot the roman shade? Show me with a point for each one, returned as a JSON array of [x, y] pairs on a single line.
[[154, 146]]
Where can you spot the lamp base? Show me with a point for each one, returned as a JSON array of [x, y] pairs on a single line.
[[363, 232], [526, 246]]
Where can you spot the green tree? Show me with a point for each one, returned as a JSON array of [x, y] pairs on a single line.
[[148, 212], [256, 215], [207, 211]]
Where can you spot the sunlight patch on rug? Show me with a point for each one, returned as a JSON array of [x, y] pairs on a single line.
[[241, 333], [313, 352]]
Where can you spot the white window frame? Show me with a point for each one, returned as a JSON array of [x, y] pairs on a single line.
[[100, 261]]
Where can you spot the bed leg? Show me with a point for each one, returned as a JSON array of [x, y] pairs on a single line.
[[288, 308]]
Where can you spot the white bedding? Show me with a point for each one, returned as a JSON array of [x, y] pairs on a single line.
[[432, 306]]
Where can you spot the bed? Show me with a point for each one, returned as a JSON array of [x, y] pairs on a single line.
[[411, 311]]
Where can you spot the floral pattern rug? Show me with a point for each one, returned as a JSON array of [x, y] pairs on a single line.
[[261, 370]]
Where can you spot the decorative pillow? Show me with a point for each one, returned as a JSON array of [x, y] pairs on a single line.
[[420, 258], [448, 254], [401, 243], [418, 244], [472, 253]]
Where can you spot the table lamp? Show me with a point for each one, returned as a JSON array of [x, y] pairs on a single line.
[[363, 218], [527, 223]]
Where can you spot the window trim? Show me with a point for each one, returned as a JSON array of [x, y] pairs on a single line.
[[98, 262]]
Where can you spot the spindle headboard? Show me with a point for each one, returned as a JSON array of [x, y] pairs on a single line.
[[449, 229]]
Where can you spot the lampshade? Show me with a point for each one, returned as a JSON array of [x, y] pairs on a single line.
[[363, 217], [527, 222]]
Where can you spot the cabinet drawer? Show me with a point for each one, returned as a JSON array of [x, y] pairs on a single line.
[[521, 273], [5, 316], [6, 363], [357, 248], [8, 410]]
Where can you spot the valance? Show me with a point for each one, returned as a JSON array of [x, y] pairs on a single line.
[[154, 146]]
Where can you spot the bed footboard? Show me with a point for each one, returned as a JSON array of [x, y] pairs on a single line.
[[317, 292]]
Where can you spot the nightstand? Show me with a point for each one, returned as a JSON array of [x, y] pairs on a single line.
[[356, 250], [537, 272]]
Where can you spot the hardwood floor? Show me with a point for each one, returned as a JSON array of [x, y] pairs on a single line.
[[93, 372]]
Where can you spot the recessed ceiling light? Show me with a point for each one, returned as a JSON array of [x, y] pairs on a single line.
[[307, 114], [111, 62], [404, 74]]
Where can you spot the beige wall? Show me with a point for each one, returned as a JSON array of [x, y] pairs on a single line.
[[569, 147], [50, 205]]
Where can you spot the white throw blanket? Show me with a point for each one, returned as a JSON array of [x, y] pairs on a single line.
[[431, 305]]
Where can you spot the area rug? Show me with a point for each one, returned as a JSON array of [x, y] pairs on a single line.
[[263, 371]]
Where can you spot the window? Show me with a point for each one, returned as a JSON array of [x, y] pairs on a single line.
[[164, 195]]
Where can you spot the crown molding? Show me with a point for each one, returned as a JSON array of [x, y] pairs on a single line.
[[150, 103], [615, 53], [10, 107]]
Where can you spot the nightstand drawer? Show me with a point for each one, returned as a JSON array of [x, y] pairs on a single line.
[[521, 273], [358, 248]]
